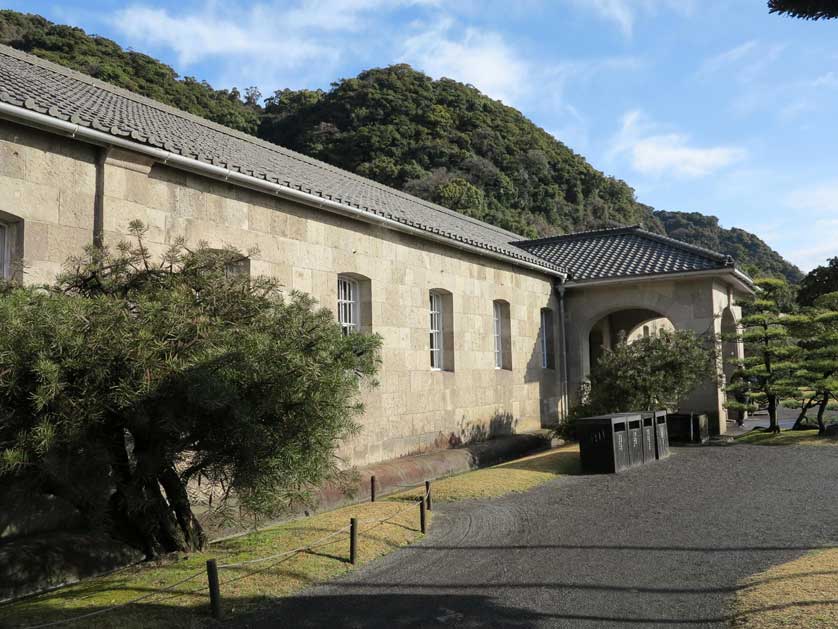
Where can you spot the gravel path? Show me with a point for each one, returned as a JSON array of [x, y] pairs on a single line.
[[662, 545]]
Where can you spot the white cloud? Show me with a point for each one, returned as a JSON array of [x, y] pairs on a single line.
[[479, 57], [624, 13], [830, 79], [653, 152], [746, 62], [272, 44], [821, 198]]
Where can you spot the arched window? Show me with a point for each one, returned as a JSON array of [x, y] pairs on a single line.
[[502, 334], [441, 329], [11, 245], [548, 344]]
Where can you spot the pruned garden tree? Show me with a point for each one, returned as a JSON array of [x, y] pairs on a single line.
[[816, 331], [767, 374], [653, 372], [805, 9], [135, 376]]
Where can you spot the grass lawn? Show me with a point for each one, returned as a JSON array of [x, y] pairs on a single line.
[[787, 438], [799, 594], [514, 476], [250, 587]]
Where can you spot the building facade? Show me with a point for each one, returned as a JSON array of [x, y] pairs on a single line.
[[483, 334]]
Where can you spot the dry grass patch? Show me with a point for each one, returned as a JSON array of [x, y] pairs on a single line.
[[799, 594], [514, 476], [243, 589], [786, 438]]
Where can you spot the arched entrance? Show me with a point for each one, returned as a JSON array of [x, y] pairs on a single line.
[[623, 326]]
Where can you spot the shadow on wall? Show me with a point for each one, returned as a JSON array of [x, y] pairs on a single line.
[[501, 425]]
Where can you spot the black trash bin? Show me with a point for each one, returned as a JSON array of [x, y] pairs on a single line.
[[688, 427], [661, 435], [604, 443]]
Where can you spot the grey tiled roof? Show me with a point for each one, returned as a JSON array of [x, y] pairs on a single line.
[[34, 84], [623, 252]]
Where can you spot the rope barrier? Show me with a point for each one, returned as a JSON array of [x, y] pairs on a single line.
[[109, 609], [279, 557]]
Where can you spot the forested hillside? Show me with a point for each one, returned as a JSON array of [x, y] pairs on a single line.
[[750, 252], [440, 140]]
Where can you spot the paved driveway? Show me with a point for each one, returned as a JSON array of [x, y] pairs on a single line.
[[659, 546]]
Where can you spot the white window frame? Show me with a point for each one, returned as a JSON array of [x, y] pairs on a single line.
[[546, 329], [436, 332], [498, 334], [348, 304]]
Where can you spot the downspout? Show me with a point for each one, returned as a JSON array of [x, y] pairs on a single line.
[[560, 289], [99, 198]]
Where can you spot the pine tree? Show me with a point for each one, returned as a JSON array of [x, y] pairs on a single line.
[[132, 378], [767, 374], [816, 330]]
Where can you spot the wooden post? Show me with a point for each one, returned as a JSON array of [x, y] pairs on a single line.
[[372, 488], [214, 590], [353, 540], [428, 493], [422, 515]]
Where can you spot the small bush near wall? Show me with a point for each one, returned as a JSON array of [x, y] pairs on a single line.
[[134, 376]]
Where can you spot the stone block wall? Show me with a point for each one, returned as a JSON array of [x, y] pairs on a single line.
[[49, 182], [47, 188]]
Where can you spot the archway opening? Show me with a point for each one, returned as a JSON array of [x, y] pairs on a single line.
[[731, 353], [624, 326]]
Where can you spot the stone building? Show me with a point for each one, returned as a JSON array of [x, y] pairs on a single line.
[[482, 332]]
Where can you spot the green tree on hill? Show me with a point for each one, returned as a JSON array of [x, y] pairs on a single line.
[[819, 281], [106, 60], [133, 377]]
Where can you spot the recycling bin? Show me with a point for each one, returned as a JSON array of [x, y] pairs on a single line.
[[661, 435], [688, 427], [649, 449], [635, 440], [604, 443]]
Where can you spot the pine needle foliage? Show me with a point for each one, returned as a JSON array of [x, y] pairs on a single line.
[[805, 9], [769, 372], [816, 330], [133, 377]]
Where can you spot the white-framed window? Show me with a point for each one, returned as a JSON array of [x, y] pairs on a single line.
[[548, 351], [497, 328], [502, 334], [348, 301], [436, 331]]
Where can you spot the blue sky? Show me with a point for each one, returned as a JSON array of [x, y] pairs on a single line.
[[711, 106]]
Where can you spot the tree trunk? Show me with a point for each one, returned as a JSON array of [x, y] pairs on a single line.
[[798, 424], [773, 426], [821, 411], [190, 528]]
